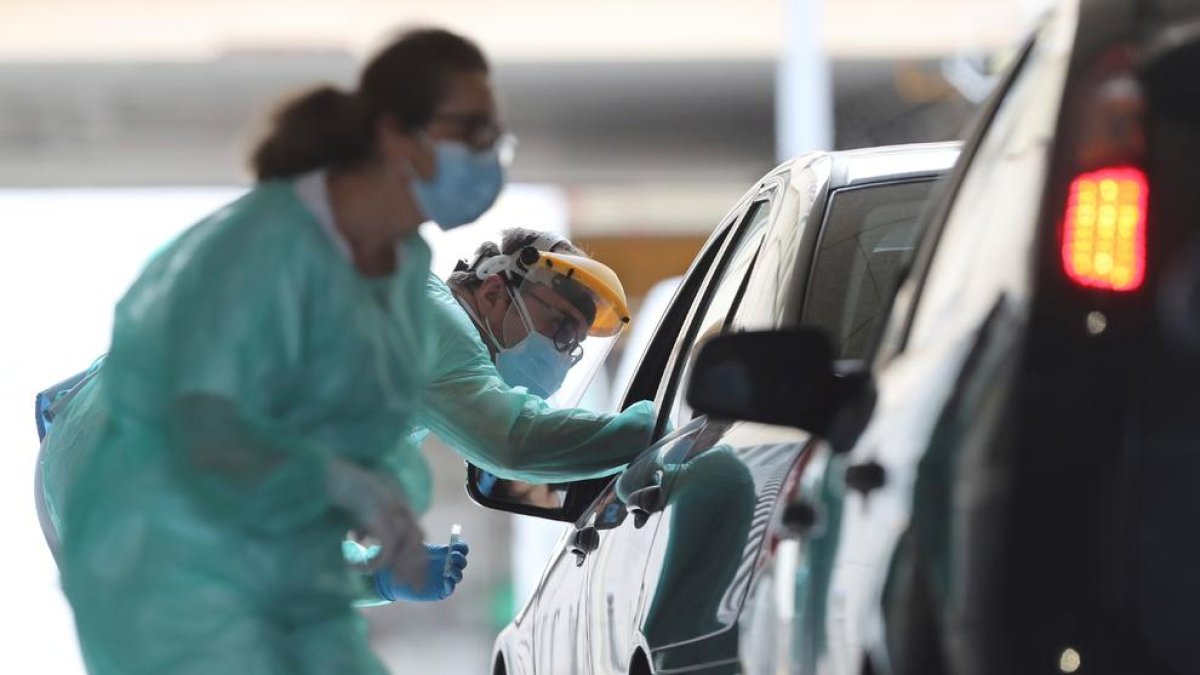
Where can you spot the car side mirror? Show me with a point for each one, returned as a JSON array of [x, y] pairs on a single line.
[[782, 377], [550, 501]]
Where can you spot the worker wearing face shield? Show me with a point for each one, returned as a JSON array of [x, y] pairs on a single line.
[[516, 321], [512, 325]]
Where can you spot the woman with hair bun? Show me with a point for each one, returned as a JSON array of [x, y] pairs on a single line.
[[262, 367]]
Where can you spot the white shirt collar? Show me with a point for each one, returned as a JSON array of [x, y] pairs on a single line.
[[313, 192]]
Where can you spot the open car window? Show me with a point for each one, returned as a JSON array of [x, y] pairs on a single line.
[[652, 368], [711, 314]]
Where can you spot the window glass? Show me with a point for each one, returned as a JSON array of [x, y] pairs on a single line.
[[868, 238], [723, 294]]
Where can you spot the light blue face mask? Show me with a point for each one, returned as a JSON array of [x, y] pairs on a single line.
[[465, 184], [535, 364]]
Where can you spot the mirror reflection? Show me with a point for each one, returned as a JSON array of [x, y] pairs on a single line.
[[537, 495]]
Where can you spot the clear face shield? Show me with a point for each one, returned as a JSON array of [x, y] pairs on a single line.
[[565, 316]]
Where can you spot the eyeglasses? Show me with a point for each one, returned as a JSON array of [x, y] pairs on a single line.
[[566, 330], [479, 131]]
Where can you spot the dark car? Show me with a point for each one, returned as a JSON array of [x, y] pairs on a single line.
[[668, 567], [1007, 482]]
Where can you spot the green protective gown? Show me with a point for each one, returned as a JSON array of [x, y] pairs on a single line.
[[75, 434], [247, 354]]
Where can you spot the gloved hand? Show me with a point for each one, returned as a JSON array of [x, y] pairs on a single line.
[[379, 508], [443, 570]]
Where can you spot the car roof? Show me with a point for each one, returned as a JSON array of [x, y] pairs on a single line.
[[889, 163], [883, 164]]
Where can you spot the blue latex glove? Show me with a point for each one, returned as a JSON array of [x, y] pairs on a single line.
[[443, 571]]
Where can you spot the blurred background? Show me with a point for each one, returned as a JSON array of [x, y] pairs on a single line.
[[640, 123]]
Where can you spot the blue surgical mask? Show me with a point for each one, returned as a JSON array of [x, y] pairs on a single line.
[[465, 184], [535, 364]]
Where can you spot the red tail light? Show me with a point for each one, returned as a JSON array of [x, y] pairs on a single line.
[[1104, 229]]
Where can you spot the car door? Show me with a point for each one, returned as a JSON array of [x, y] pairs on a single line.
[[559, 634], [864, 240], [558, 644], [615, 596], [614, 569], [720, 482]]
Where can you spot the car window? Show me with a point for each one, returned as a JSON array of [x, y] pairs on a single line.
[[718, 304], [867, 239], [648, 377], [649, 374]]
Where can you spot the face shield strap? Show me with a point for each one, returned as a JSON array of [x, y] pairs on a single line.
[[546, 241], [516, 265], [511, 269], [519, 303], [506, 265]]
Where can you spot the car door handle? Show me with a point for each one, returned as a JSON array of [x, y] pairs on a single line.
[[644, 501], [800, 517], [866, 478], [584, 542]]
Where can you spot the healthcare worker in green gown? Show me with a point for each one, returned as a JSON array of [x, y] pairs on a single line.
[[499, 423], [261, 368]]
